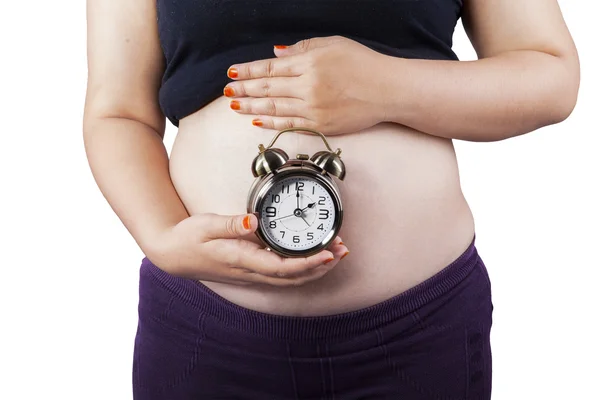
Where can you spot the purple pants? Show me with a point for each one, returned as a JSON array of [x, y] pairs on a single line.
[[430, 342]]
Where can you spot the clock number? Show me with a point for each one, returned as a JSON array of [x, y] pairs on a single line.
[[275, 198], [283, 187], [323, 213], [271, 212], [282, 234], [299, 186], [313, 190], [273, 224], [322, 200], [309, 236], [296, 239], [320, 227]]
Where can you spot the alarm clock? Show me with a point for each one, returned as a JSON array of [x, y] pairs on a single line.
[[296, 201]]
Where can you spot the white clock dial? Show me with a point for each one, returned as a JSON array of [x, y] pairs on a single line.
[[297, 213]]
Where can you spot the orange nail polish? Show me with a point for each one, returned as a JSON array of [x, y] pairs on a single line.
[[235, 105], [329, 260], [257, 122], [232, 72], [246, 222], [345, 254], [280, 46], [228, 91], [341, 243]]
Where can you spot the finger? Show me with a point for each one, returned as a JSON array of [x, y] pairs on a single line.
[[267, 68], [305, 45], [249, 255], [263, 263], [338, 248], [336, 241], [280, 107], [228, 226], [264, 87], [268, 122], [298, 280], [335, 244], [230, 281]]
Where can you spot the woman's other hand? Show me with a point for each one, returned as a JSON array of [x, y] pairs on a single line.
[[330, 84], [212, 247]]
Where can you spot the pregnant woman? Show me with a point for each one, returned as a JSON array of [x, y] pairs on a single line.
[[398, 305]]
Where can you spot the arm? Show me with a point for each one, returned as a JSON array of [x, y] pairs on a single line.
[[527, 76], [123, 126], [123, 129]]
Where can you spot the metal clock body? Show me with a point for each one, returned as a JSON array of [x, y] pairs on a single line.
[[297, 202]]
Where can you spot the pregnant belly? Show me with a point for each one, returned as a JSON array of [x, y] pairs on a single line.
[[405, 216]]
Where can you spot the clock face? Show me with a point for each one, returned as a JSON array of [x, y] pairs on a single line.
[[297, 213]]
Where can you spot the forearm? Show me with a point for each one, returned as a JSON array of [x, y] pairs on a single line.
[[485, 100], [130, 165]]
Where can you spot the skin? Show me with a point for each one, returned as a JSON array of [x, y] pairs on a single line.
[[123, 129], [526, 77], [154, 197]]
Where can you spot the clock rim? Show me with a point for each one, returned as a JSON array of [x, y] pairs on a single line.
[[268, 182]]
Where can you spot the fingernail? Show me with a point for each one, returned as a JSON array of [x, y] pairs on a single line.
[[341, 243], [329, 260], [345, 254], [235, 105], [246, 222], [228, 91], [280, 46], [232, 72], [257, 122]]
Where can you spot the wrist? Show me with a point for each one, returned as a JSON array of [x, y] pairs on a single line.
[[159, 249], [155, 243], [391, 74]]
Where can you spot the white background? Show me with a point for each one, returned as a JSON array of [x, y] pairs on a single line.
[[69, 269]]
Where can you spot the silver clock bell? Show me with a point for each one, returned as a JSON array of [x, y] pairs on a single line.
[[297, 202]]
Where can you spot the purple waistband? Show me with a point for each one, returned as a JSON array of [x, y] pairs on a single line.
[[348, 324]]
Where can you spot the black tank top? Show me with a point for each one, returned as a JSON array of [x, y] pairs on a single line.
[[202, 38]]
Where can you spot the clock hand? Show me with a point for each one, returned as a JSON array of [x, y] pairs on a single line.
[[302, 216], [294, 214], [311, 205], [291, 215], [297, 196]]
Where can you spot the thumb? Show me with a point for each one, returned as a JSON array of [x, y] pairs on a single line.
[[230, 226], [305, 45]]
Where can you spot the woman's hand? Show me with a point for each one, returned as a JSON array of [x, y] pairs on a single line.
[[211, 247], [330, 84]]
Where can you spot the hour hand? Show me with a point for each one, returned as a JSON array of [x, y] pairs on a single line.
[[311, 205]]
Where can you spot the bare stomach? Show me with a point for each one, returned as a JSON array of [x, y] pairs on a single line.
[[405, 217]]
